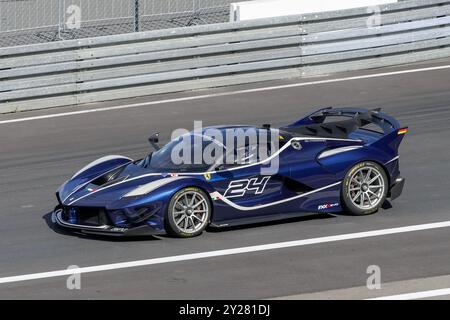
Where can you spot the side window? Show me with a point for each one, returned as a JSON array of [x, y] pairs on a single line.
[[241, 156], [247, 155]]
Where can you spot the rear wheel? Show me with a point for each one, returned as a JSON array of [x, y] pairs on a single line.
[[365, 188], [188, 213]]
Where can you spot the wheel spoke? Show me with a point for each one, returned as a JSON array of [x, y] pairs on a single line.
[[186, 222], [361, 177], [373, 193], [369, 172], [198, 203], [180, 206], [356, 197], [368, 197], [192, 200], [180, 220], [373, 179], [192, 222]]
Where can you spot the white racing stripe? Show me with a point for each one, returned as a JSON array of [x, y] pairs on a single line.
[[332, 152], [392, 160], [226, 252], [98, 161], [206, 96], [151, 186], [236, 206], [416, 295]]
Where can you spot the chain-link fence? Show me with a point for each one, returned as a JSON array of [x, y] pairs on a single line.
[[36, 21]]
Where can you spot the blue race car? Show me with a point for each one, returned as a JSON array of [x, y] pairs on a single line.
[[333, 160]]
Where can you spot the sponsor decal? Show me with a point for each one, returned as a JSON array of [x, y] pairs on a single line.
[[166, 175], [215, 196], [239, 188], [327, 206]]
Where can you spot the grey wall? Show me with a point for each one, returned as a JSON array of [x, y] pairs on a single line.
[[121, 66]]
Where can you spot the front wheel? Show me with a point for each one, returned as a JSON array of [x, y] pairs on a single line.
[[188, 213], [364, 188]]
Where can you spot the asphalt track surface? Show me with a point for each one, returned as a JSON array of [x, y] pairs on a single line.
[[37, 156]]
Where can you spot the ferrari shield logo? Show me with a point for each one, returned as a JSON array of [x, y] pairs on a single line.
[[207, 176]]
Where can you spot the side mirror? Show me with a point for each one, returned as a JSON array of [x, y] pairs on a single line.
[[219, 167], [154, 140]]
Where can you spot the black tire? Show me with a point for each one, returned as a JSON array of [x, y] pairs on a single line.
[[359, 197], [193, 221]]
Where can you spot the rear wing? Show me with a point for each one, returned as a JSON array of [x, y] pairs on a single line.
[[315, 124]]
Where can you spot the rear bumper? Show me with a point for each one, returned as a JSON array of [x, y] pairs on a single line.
[[397, 188], [144, 230]]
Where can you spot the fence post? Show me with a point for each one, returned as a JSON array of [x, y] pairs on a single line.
[[61, 17], [136, 16]]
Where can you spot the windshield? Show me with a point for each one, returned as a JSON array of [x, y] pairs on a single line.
[[184, 154]]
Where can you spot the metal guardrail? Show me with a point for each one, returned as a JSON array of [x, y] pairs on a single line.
[[130, 65]]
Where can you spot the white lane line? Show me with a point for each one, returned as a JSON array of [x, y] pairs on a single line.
[[222, 94], [226, 252], [416, 295]]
